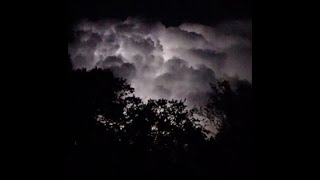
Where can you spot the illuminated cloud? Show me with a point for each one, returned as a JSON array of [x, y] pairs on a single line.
[[166, 62]]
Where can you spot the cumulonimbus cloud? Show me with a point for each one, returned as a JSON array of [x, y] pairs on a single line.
[[165, 62]]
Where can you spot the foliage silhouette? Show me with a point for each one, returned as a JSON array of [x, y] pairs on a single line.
[[234, 142], [115, 135]]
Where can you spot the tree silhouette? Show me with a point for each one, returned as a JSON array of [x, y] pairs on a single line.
[[115, 135], [234, 142]]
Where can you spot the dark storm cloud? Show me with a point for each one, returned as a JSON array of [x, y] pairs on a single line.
[[162, 92], [176, 64], [208, 54], [124, 28], [139, 44], [80, 62], [210, 57], [109, 62], [166, 62], [184, 81], [118, 67], [126, 70], [238, 28]]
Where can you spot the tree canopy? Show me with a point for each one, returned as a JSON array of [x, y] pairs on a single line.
[[115, 135]]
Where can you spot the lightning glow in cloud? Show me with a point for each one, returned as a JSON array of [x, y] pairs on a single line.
[[159, 62]]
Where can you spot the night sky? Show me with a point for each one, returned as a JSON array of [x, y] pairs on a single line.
[[167, 11]]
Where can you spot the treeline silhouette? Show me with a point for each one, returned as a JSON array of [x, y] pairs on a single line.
[[115, 135]]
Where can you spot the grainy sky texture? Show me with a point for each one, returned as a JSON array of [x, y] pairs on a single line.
[[165, 62]]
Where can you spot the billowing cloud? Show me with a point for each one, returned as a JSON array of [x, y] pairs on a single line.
[[166, 62]]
